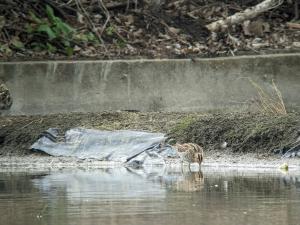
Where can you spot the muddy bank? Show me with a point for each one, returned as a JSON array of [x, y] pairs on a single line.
[[244, 133], [17, 133], [213, 160]]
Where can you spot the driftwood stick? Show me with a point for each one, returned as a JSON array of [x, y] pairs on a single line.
[[247, 14]]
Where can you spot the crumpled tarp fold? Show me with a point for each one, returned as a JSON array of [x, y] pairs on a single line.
[[133, 147]]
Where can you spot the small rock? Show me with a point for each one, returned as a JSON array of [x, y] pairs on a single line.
[[224, 144], [177, 51], [296, 44], [178, 46], [259, 45], [257, 40]]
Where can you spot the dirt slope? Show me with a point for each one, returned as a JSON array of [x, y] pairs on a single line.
[[244, 133]]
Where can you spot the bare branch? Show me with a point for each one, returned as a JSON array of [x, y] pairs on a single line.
[[247, 14]]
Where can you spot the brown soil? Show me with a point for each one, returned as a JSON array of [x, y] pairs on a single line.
[[244, 133], [176, 29]]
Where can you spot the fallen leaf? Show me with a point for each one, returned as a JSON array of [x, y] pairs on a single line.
[[296, 44], [174, 30], [138, 33], [17, 43], [129, 20], [76, 48]]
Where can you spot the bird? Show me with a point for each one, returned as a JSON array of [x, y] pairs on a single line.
[[190, 152], [5, 97]]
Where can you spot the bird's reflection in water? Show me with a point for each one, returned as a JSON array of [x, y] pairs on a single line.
[[176, 179], [193, 181], [185, 182]]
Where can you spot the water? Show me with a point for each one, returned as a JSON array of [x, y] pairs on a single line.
[[154, 196]]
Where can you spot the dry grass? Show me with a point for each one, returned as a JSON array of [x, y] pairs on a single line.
[[269, 103]]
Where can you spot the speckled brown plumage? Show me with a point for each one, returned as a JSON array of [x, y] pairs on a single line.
[[190, 152]]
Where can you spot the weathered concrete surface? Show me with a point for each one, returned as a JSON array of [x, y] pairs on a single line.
[[148, 85]]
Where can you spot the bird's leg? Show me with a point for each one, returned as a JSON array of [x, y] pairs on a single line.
[[182, 168]]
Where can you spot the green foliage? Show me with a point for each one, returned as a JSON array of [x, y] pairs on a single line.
[[110, 31], [51, 48], [47, 29], [180, 128], [88, 37], [121, 43], [54, 31], [48, 33], [17, 43], [4, 48], [51, 34]]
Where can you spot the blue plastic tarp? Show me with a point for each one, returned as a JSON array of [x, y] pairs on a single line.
[[125, 146]]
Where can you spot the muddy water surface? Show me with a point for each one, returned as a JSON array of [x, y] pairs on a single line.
[[149, 196]]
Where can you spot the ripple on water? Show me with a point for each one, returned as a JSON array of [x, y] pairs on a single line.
[[158, 196]]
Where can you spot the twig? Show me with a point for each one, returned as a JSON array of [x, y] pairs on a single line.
[[176, 35], [165, 25], [92, 25], [106, 12], [28, 124]]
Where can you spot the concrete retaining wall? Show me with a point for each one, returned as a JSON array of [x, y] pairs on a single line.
[[148, 85]]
